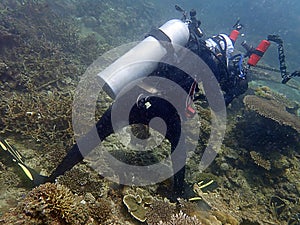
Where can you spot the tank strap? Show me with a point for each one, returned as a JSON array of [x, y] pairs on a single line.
[[164, 40], [218, 40]]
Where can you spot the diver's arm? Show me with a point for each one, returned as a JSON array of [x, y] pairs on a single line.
[[240, 88]]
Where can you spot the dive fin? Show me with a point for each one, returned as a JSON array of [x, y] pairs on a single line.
[[5, 146], [30, 173]]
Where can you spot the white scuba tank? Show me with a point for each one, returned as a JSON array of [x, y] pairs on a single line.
[[142, 59]]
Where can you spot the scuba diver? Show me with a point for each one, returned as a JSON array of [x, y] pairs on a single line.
[[160, 45]]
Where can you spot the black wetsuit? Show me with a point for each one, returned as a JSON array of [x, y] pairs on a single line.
[[231, 86], [139, 114]]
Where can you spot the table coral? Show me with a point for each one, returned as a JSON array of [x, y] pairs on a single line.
[[273, 110]]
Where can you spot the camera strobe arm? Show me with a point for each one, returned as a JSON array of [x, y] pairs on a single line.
[[286, 76]]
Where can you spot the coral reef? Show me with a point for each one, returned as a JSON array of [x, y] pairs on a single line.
[[273, 110], [137, 203], [160, 210], [39, 116], [268, 93], [56, 204], [82, 181], [46, 204], [181, 219], [256, 173], [258, 157], [101, 210], [265, 126], [266, 164]]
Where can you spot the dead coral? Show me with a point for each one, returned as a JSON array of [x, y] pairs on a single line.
[[272, 110], [260, 161], [42, 116]]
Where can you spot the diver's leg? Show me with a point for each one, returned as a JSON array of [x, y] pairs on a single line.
[[164, 110], [178, 157], [87, 143]]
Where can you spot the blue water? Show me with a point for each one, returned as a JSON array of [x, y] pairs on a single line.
[[260, 18]]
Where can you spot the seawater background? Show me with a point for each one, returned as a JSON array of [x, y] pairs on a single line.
[[260, 18]]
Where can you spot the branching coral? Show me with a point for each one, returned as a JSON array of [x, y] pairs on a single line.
[[181, 219], [160, 211], [82, 182], [44, 117], [100, 210], [48, 204]]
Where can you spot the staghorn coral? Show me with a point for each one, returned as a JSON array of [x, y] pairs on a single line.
[[272, 110], [277, 206], [43, 116], [181, 219], [49, 204]]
